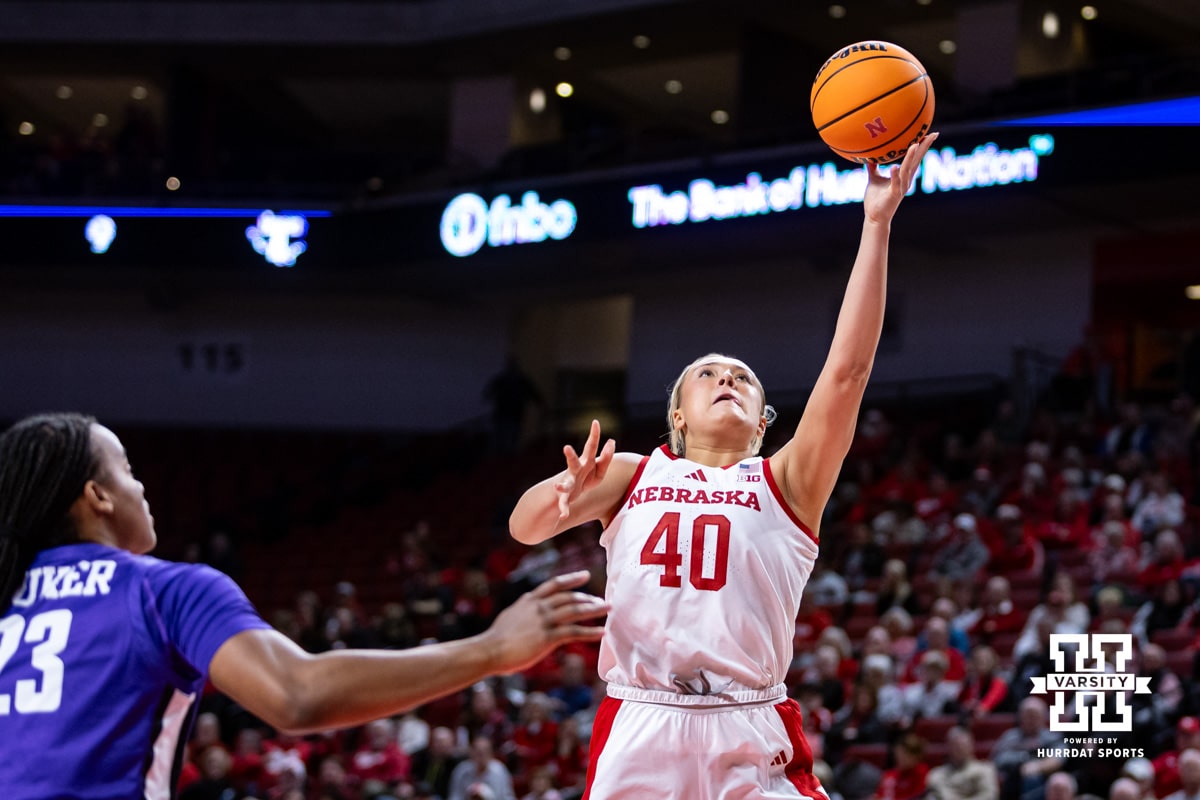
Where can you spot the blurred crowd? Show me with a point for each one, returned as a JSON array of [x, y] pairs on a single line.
[[948, 558]]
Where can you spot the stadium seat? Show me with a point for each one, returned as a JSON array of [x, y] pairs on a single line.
[[934, 729], [876, 754], [990, 727]]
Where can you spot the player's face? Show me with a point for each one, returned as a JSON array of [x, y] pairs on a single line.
[[131, 515], [724, 392]]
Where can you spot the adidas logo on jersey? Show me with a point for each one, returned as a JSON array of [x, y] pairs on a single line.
[[698, 475], [780, 759]]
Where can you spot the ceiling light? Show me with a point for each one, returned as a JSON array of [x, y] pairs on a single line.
[[26, 129], [837, 11], [924, 2], [1192, 292], [99, 120], [641, 42], [562, 53], [537, 101], [173, 183], [64, 92], [564, 89], [720, 116], [947, 46], [1088, 12], [673, 86], [1050, 25], [138, 93]]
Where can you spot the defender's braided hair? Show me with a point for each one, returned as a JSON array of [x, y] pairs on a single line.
[[45, 461]]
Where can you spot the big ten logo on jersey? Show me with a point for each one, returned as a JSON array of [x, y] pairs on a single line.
[[747, 475], [1100, 672]]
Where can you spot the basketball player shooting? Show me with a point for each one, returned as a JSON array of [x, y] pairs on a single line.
[[709, 547]]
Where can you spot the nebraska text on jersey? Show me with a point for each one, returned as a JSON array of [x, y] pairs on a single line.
[[670, 494]]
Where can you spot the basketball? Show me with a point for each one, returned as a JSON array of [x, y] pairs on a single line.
[[870, 101]]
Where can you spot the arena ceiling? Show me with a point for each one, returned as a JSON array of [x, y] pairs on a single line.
[[378, 73], [378, 77]]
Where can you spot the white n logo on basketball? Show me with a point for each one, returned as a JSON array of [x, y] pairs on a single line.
[[875, 127]]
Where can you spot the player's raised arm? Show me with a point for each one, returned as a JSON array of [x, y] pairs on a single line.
[[589, 488], [809, 463]]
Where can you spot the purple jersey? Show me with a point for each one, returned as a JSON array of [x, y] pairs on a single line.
[[103, 657]]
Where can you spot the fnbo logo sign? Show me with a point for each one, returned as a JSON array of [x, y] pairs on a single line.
[[469, 222]]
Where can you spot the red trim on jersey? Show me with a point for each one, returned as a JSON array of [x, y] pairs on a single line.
[[602, 726], [667, 452], [799, 769], [637, 475], [784, 503]]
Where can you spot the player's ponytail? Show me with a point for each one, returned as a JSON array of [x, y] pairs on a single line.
[[45, 461]]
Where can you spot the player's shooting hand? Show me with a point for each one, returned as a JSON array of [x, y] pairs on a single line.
[[884, 192], [584, 470], [544, 618]]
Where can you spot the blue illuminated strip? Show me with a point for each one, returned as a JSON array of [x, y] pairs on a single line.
[[32, 211], [1183, 111]]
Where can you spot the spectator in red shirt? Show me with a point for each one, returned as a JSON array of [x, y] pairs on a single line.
[[248, 770], [379, 757], [535, 733], [1167, 563], [906, 780], [996, 612], [1068, 525], [1015, 549], [810, 623], [985, 690], [937, 639], [1032, 494], [1166, 766], [938, 500], [570, 761]]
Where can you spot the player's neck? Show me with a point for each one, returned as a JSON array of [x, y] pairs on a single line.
[[714, 456]]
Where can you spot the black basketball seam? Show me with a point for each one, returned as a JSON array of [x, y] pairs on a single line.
[[893, 90], [894, 138], [812, 100]]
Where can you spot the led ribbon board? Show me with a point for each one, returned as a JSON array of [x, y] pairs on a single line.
[[823, 184]]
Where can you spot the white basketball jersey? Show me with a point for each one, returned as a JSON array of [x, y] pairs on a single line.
[[706, 566]]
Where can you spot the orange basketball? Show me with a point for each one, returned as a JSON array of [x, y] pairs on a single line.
[[870, 101]]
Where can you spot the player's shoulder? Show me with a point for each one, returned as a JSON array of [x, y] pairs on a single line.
[[624, 469]]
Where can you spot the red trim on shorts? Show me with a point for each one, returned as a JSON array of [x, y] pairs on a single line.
[[787, 508], [799, 769], [602, 726]]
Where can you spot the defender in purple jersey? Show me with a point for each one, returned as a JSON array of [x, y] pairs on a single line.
[[105, 650]]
